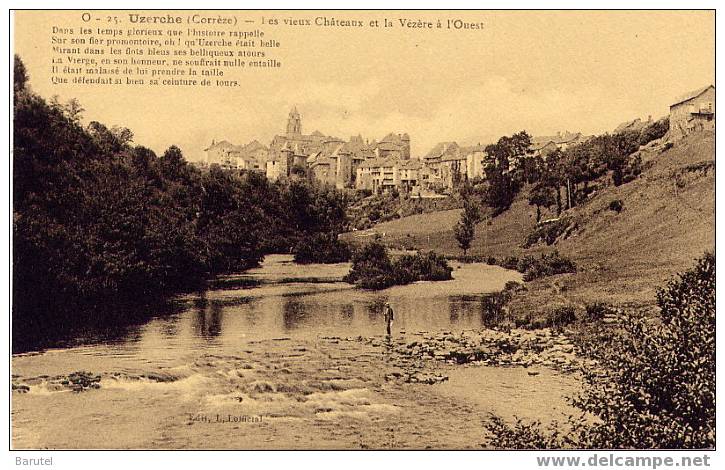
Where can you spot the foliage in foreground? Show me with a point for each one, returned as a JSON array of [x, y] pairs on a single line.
[[96, 217], [372, 268], [656, 385]]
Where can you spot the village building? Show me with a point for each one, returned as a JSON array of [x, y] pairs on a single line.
[[379, 175], [543, 146], [635, 125], [251, 156], [325, 158], [448, 164], [453, 167], [692, 112], [434, 159], [542, 149], [355, 163], [475, 162], [393, 146], [332, 164], [409, 174]]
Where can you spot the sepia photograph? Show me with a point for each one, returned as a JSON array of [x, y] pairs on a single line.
[[363, 230]]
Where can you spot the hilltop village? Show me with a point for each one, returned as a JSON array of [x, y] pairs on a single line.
[[363, 164], [380, 166]]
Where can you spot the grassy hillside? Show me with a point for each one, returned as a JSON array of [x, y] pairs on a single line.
[[668, 220]]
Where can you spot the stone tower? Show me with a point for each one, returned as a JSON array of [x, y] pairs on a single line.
[[294, 122], [405, 151]]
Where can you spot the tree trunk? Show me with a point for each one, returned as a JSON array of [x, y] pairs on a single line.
[[568, 193], [558, 201]]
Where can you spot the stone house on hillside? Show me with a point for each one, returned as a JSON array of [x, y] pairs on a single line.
[[692, 112]]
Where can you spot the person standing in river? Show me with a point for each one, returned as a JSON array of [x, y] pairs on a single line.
[[388, 315]]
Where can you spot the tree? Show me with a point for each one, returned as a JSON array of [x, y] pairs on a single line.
[[465, 228], [20, 76], [464, 232], [502, 186], [554, 175], [540, 196], [508, 150], [500, 191], [74, 110]]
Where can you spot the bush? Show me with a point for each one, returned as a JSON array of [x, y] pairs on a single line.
[[654, 387], [547, 265], [373, 269], [547, 232], [322, 248], [596, 311], [616, 205], [654, 131], [493, 305], [660, 388], [524, 435], [421, 267], [524, 264], [510, 262], [513, 286], [561, 316], [468, 258]]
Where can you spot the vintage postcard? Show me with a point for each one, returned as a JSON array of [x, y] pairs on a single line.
[[364, 229]]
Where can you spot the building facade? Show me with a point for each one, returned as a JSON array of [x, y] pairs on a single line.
[[251, 156], [692, 112]]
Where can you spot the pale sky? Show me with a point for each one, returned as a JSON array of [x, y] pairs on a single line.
[[539, 71]]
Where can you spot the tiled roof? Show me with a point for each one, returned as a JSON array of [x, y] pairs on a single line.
[[220, 144], [378, 162], [560, 138], [440, 149], [414, 164], [392, 138], [691, 95]]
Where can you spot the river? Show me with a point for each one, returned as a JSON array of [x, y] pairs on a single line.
[[269, 359]]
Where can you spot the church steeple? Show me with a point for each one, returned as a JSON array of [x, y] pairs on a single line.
[[294, 122]]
